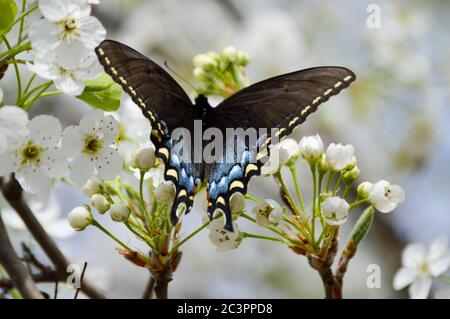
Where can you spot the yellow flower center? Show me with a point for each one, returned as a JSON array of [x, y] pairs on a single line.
[[30, 153], [92, 144]]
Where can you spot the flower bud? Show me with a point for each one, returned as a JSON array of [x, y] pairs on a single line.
[[291, 147], [119, 212], [199, 74], [335, 210], [204, 62], [352, 164], [237, 203], [352, 175], [230, 53], [311, 148], [92, 186], [243, 58], [164, 193], [213, 55], [322, 165], [339, 156], [100, 203], [364, 189], [386, 197], [268, 212], [80, 217], [144, 158]]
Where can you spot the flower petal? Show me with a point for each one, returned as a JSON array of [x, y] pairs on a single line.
[[397, 194], [45, 130], [54, 163], [44, 36], [92, 32], [44, 69], [109, 163], [32, 179], [439, 256], [413, 255], [54, 10], [72, 142], [109, 128], [69, 85], [81, 170], [420, 288], [90, 122], [404, 277], [13, 126]]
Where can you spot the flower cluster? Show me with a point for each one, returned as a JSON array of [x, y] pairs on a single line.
[[63, 44], [221, 74]]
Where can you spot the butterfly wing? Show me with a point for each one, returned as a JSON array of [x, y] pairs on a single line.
[[282, 102], [164, 103]]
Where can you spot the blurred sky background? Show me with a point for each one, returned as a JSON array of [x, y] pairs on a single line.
[[395, 114]]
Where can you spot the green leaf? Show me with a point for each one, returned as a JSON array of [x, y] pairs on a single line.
[[8, 11], [102, 93]]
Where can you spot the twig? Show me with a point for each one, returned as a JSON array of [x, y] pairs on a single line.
[[13, 194], [15, 268], [148, 293]]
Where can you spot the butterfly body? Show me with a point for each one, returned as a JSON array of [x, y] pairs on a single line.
[[281, 103]]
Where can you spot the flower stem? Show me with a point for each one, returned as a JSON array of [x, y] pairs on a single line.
[[19, 19], [195, 232], [141, 192], [287, 194], [359, 202], [330, 179], [336, 186], [297, 186], [16, 70], [248, 235], [313, 219], [103, 229], [271, 228], [252, 198], [22, 21]]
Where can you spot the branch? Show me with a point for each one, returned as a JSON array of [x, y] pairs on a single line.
[[148, 293], [16, 270], [12, 191]]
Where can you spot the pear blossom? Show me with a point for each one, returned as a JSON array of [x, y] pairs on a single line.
[[37, 158], [100, 203], [335, 210], [79, 218], [279, 156], [268, 212], [420, 264], [291, 147], [119, 212], [65, 22], [311, 148], [237, 203], [230, 53], [13, 126], [385, 197], [144, 158], [339, 156], [204, 62], [91, 146], [165, 193], [224, 239], [67, 76]]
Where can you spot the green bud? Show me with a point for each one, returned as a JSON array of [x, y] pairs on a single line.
[[199, 74], [352, 175], [362, 227], [230, 53], [243, 58], [352, 164], [364, 189], [322, 165], [324, 196]]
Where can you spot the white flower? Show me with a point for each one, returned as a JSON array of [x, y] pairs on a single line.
[[36, 159], [224, 239], [237, 203], [335, 210], [385, 197], [91, 146], [66, 21], [268, 212], [278, 157], [13, 127], [79, 218], [119, 212], [92, 186], [339, 156], [100, 203], [291, 147], [144, 158], [311, 148], [420, 264], [364, 189], [68, 77], [164, 193]]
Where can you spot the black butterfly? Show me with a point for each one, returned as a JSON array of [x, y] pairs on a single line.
[[281, 102]]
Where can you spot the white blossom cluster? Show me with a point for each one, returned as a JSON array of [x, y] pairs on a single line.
[[63, 44]]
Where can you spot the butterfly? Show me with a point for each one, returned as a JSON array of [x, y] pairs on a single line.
[[281, 102]]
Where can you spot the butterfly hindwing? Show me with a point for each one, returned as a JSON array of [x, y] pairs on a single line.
[[282, 102]]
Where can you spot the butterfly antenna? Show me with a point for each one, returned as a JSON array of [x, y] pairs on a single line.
[[178, 75]]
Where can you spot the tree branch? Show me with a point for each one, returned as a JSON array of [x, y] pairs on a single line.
[[12, 191], [16, 270]]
